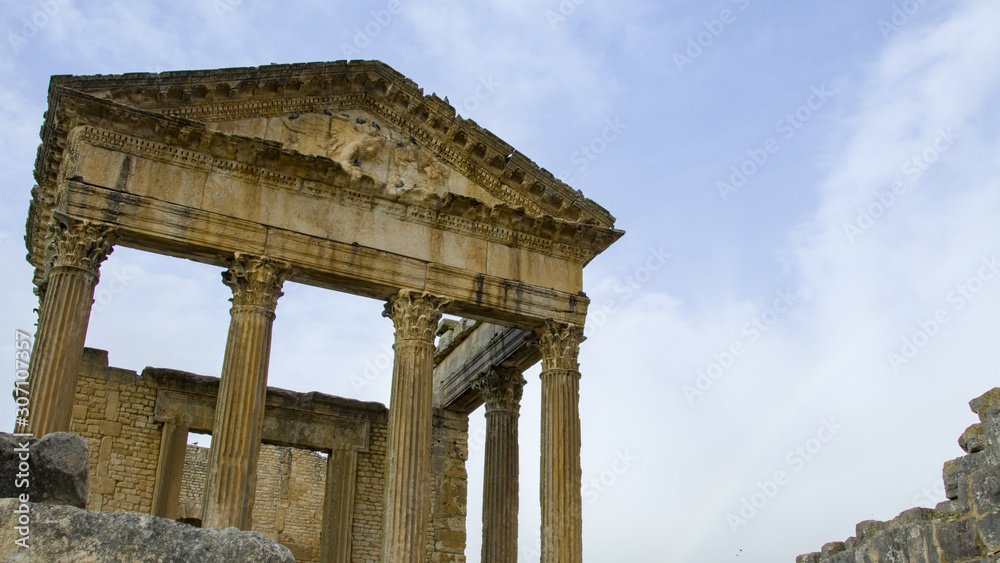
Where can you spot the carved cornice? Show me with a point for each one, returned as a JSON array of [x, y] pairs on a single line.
[[327, 180], [415, 315], [78, 244], [256, 281], [559, 344], [228, 94], [501, 388]]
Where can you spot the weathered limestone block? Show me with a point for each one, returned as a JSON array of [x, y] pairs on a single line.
[[957, 540], [987, 405], [985, 487], [989, 532], [842, 557], [58, 466], [64, 534], [832, 548], [904, 541], [973, 439]]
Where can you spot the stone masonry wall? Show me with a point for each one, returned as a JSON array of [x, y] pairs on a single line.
[[114, 411], [446, 535], [366, 537], [288, 503], [963, 529], [449, 488]]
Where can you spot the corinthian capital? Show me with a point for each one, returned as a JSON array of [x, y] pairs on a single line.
[[79, 244], [415, 314], [559, 344], [256, 280], [501, 388]]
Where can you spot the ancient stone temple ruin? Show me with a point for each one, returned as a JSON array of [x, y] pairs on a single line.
[[343, 176]]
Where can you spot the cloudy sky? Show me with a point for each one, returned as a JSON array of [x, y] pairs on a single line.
[[782, 345]]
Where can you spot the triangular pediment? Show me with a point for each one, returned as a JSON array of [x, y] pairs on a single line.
[[362, 114]]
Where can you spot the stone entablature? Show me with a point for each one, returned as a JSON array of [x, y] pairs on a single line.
[[171, 186]]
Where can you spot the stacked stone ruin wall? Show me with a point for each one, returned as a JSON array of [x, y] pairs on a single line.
[[366, 529], [288, 505], [449, 488], [963, 529], [114, 411]]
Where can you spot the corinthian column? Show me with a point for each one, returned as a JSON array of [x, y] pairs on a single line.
[[501, 388], [239, 410], [408, 463], [562, 500], [74, 255]]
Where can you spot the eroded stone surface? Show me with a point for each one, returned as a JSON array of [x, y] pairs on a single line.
[[57, 468], [65, 534]]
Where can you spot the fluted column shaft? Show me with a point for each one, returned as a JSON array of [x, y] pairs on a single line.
[[562, 499], [501, 388], [75, 252], [407, 484], [239, 410]]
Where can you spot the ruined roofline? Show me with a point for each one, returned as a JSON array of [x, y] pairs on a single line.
[[202, 94], [166, 378]]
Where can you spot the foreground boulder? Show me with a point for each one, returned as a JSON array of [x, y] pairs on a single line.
[[58, 468], [63, 534]]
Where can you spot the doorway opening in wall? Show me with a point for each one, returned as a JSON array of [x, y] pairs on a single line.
[[189, 509], [288, 502]]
